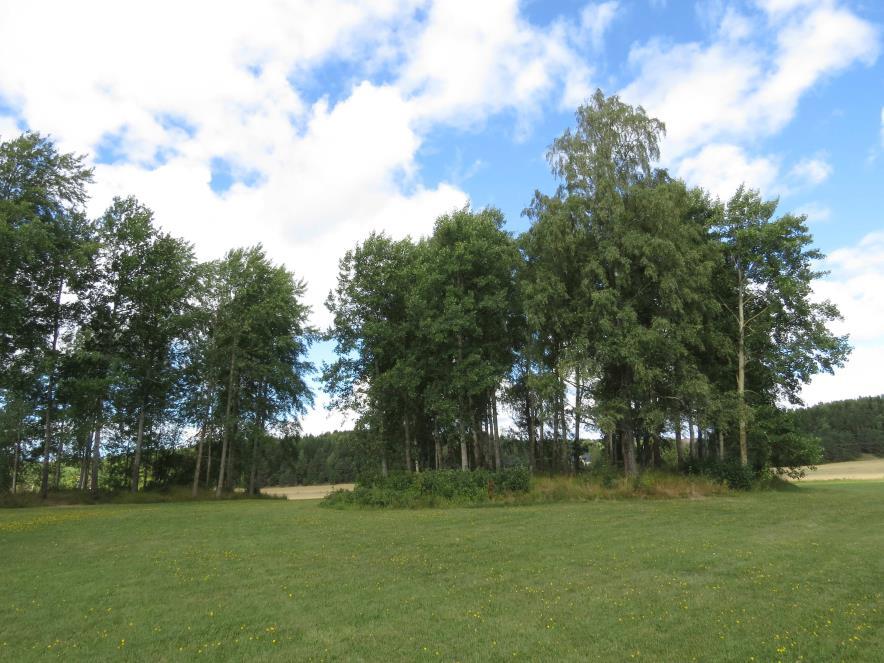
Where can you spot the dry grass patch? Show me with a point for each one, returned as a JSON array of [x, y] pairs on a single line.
[[865, 469], [305, 492]]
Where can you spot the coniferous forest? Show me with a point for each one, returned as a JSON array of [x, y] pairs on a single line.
[[636, 313]]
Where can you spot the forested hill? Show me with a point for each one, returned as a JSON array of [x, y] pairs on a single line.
[[847, 428]]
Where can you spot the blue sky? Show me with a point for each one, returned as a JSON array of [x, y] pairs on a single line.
[[306, 125]]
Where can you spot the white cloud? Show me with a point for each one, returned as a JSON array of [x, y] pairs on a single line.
[[736, 89], [815, 212], [176, 85], [810, 172], [721, 168], [856, 285], [882, 127]]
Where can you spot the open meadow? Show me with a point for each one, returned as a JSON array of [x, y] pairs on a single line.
[[786, 575]]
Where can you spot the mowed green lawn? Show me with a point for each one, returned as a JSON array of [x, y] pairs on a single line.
[[795, 575]]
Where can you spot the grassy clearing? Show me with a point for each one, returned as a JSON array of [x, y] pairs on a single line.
[[72, 497], [775, 576], [867, 468]]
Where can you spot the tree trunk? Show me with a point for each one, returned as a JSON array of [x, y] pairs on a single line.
[[84, 463], [541, 455], [577, 413], [498, 460], [199, 458], [96, 456], [15, 460], [384, 470], [226, 426], [609, 446], [209, 464], [464, 456], [477, 451], [47, 432], [407, 445], [741, 374], [720, 444], [656, 459], [678, 450], [532, 443], [59, 452], [628, 442], [253, 475], [437, 446], [136, 462], [692, 440]]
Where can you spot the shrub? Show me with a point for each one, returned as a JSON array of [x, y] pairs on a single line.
[[432, 488]]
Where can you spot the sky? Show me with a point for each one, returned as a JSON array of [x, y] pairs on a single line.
[[306, 124]]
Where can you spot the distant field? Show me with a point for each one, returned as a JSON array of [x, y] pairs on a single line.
[[871, 468], [305, 492], [792, 575]]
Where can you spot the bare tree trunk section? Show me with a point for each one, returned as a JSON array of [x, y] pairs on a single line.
[[96, 456], [498, 460], [679, 453], [720, 444], [136, 462], [464, 456], [628, 441], [407, 445], [50, 395], [253, 474], [577, 413], [199, 459], [226, 425], [692, 440], [15, 460], [209, 464], [741, 375]]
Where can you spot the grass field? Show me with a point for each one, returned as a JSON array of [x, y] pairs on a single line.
[[867, 468], [790, 575]]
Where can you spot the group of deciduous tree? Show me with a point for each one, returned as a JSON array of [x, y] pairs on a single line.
[[115, 341], [634, 307]]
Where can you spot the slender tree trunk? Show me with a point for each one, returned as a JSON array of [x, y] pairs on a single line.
[[477, 456], [136, 462], [741, 374], [655, 450], [84, 463], [701, 450], [532, 439], [226, 426], [628, 442], [229, 479], [564, 455], [50, 394], [15, 459], [692, 440], [464, 456], [720, 444], [498, 460], [199, 458], [96, 455], [407, 444], [384, 470], [208, 464], [577, 413], [541, 446], [609, 446], [437, 446], [59, 453], [678, 450], [253, 475]]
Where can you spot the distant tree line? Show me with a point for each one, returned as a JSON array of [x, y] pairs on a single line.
[[847, 429], [634, 307]]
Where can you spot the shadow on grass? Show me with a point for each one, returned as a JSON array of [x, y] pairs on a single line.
[[151, 496]]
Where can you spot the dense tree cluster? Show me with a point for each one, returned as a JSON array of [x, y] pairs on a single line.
[[847, 429], [634, 308], [116, 342]]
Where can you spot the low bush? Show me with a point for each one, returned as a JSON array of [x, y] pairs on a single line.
[[433, 488], [149, 496], [728, 472]]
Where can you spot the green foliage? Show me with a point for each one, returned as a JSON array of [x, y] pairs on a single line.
[[729, 472], [847, 429], [433, 488]]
